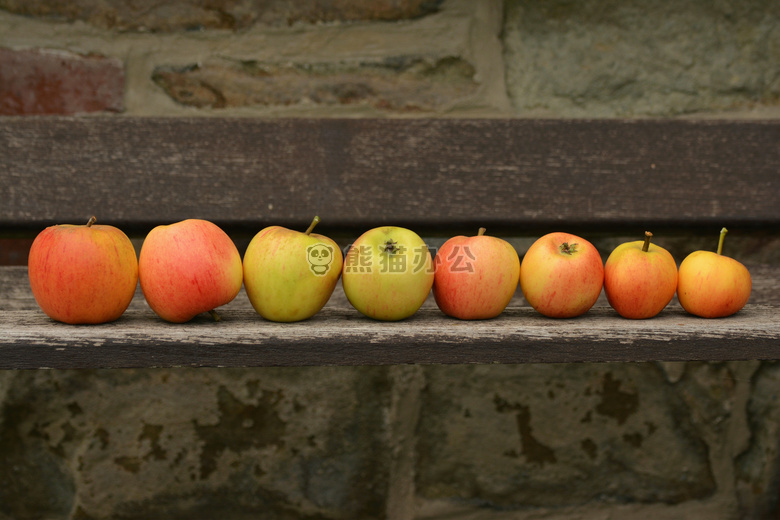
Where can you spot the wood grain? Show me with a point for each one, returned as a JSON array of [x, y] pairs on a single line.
[[426, 174], [342, 337], [339, 335]]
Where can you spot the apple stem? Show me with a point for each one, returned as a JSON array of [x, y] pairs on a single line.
[[214, 315], [720, 240], [481, 231], [646, 245], [91, 220], [313, 223]]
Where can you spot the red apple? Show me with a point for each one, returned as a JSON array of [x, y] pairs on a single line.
[[561, 275], [188, 268], [711, 285], [640, 279], [475, 277], [83, 274]]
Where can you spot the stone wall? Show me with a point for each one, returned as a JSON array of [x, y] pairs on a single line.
[[409, 58], [595, 441], [635, 441]]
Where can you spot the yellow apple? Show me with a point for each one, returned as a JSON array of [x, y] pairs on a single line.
[[289, 275], [388, 273], [711, 285]]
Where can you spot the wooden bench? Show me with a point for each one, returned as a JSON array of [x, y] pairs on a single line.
[[518, 178]]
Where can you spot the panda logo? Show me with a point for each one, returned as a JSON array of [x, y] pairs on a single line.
[[320, 256]]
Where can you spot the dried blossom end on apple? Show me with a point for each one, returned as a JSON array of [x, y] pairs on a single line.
[[568, 249]]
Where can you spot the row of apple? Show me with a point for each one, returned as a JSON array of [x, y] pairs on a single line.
[[89, 273]]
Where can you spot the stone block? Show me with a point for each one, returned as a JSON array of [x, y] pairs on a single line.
[[177, 15], [403, 84], [195, 443], [554, 436], [758, 467], [53, 82], [608, 58]]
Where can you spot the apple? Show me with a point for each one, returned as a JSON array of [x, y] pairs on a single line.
[[711, 285], [188, 268], [640, 278], [388, 273], [561, 275], [475, 277], [83, 274], [289, 275]]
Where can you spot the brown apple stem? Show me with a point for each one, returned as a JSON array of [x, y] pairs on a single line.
[[91, 220], [214, 315], [720, 240], [481, 231], [646, 245], [313, 223]]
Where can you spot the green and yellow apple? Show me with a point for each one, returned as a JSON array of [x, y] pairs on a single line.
[[561, 275], [290, 275], [83, 274], [475, 277], [188, 268], [388, 273], [640, 278], [711, 285]]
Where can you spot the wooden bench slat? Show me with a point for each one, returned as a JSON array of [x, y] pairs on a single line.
[[360, 173], [339, 335]]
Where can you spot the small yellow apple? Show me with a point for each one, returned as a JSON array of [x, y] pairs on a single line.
[[711, 285]]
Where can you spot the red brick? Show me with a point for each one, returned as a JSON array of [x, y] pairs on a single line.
[[54, 82]]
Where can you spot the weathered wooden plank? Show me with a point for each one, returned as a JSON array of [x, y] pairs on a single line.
[[420, 173], [339, 335]]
